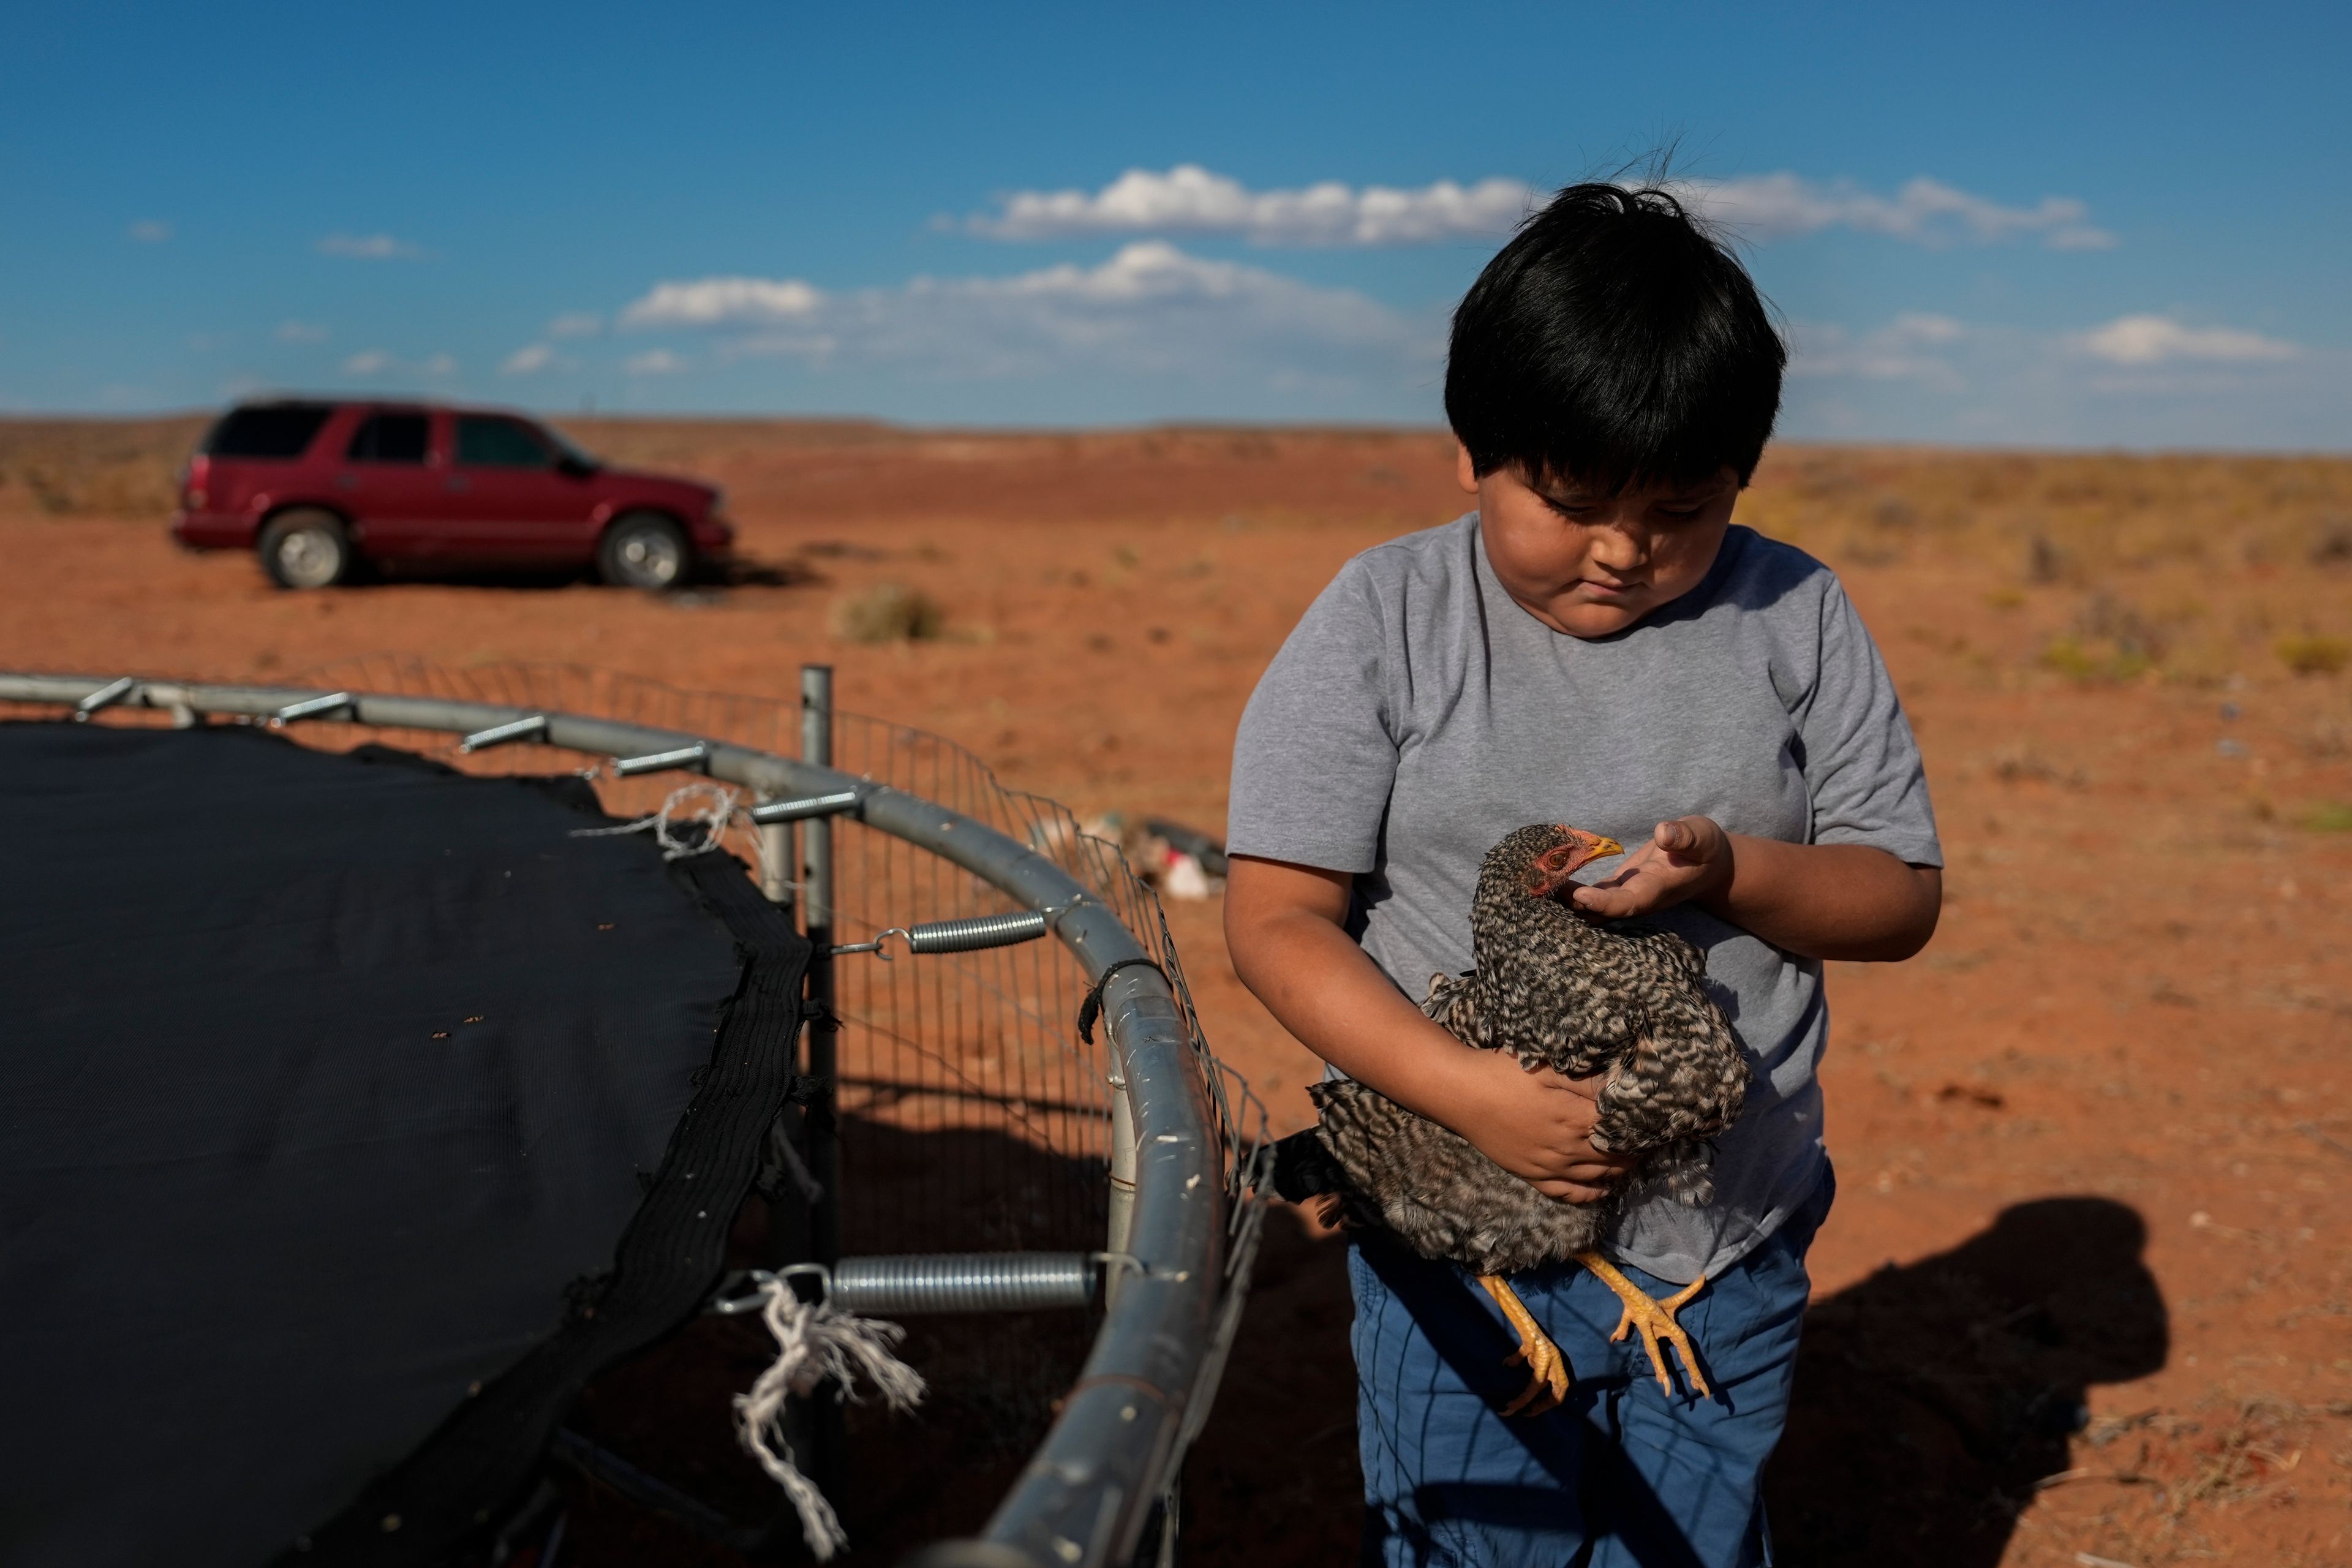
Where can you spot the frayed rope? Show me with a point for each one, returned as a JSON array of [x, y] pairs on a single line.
[[815, 1340], [715, 809]]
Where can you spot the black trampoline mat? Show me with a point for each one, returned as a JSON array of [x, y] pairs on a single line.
[[321, 1078]]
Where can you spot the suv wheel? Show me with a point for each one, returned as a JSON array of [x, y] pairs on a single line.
[[643, 550], [306, 548]]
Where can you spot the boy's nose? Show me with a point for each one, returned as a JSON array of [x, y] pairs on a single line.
[[1619, 550]]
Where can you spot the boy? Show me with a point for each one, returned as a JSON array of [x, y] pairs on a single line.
[[1595, 645]]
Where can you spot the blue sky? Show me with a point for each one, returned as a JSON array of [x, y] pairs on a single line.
[[2078, 225]]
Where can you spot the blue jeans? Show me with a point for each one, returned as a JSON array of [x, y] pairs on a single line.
[[1619, 1475]]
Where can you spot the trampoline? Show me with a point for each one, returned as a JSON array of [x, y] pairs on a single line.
[[358, 1109]]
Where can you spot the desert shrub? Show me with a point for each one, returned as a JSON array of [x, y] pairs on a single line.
[[2077, 659], [1895, 514], [2330, 817], [2314, 655], [2331, 545], [888, 612], [2111, 639]]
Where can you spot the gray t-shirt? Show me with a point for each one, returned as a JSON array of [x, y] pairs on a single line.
[[1417, 714]]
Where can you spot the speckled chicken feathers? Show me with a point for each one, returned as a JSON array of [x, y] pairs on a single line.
[[1581, 996]]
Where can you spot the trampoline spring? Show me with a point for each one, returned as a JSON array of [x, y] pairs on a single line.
[[106, 696], [316, 708], [913, 1283], [776, 811], [977, 931], [692, 756], [498, 734], [967, 935], [909, 1284]]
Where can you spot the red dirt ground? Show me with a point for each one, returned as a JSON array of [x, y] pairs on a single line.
[[2090, 1144]]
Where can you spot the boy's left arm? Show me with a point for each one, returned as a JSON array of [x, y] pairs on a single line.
[[1817, 901]]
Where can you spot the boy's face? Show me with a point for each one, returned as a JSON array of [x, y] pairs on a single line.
[[1588, 563]]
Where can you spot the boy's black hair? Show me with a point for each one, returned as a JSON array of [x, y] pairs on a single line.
[[1615, 341]]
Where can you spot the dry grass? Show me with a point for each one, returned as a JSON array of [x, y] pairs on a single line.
[[2194, 571], [888, 612], [2314, 655], [91, 467]]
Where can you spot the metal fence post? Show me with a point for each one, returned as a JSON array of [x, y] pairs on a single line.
[[821, 1415], [824, 1034], [776, 866]]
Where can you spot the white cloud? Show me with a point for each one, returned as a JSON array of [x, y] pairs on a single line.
[[1150, 309], [150, 231], [1909, 348], [722, 301], [1190, 199], [2139, 381], [653, 362], [369, 247], [2155, 340], [376, 361], [1923, 212], [528, 359], [575, 324], [301, 332]]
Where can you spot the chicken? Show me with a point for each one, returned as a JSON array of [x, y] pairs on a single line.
[[1581, 996]]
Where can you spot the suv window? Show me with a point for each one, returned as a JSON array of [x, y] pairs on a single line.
[[271, 430], [486, 442], [389, 438]]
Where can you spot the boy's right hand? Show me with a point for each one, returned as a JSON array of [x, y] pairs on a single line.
[[1538, 1125]]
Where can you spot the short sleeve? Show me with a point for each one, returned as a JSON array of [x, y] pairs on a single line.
[[1861, 763], [1316, 756]]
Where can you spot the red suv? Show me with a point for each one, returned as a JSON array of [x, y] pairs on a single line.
[[321, 488]]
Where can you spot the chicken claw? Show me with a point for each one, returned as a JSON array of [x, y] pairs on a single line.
[[1655, 1319], [1548, 1373]]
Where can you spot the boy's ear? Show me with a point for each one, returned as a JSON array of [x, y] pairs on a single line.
[[1465, 472]]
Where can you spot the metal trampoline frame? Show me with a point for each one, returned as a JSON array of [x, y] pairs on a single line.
[[1179, 1226]]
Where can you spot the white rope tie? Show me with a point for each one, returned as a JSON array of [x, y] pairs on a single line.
[[816, 1339], [707, 807]]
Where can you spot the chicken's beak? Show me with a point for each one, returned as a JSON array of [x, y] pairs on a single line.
[[1599, 845]]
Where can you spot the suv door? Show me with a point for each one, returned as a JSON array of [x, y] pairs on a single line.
[[518, 504], [390, 483]]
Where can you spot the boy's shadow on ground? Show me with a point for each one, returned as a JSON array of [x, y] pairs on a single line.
[[1929, 1398]]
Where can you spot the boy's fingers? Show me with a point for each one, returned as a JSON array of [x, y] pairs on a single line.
[[1583, 1088], [1613, 902], [1680, 838]]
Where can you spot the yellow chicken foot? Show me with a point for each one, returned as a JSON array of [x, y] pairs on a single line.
[[1655, 1319], [1548, 1373]]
